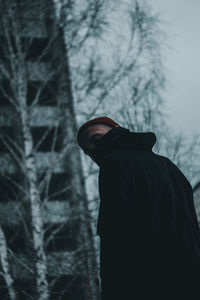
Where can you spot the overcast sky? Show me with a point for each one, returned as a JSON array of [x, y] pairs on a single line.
[[181, 22]]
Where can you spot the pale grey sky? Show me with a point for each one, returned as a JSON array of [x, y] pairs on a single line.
[[181, 22]]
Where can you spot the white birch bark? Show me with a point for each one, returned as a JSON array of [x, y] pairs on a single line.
[[19, 85], [35, 201], [5, 266]]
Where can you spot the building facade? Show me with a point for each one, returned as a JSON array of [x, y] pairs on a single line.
[[41, 47]]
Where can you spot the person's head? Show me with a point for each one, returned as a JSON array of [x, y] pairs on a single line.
[[92, 131]]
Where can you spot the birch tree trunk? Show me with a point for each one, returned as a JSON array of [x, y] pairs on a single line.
[[5, 266], [35, 201], [18, 79]]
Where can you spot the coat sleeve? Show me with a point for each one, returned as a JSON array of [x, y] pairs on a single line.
[[116, 199]]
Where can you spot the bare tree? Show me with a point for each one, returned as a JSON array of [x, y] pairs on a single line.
[[17, 75], [17, 42], [183, 151], [6, 266]]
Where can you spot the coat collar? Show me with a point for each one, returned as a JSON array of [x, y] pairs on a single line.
[[121, 138]]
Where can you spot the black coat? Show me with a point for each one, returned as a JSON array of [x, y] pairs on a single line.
[[148, 228]]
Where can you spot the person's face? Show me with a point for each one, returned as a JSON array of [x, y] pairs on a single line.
[[90, 135]]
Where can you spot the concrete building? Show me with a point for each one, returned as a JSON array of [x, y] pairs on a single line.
[[37, 25]]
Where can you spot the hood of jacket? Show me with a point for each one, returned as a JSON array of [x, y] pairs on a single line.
[[122, 138]]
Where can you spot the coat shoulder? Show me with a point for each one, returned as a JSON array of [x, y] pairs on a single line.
[[174, 170]]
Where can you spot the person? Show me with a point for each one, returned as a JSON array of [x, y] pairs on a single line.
[[148, 228]]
